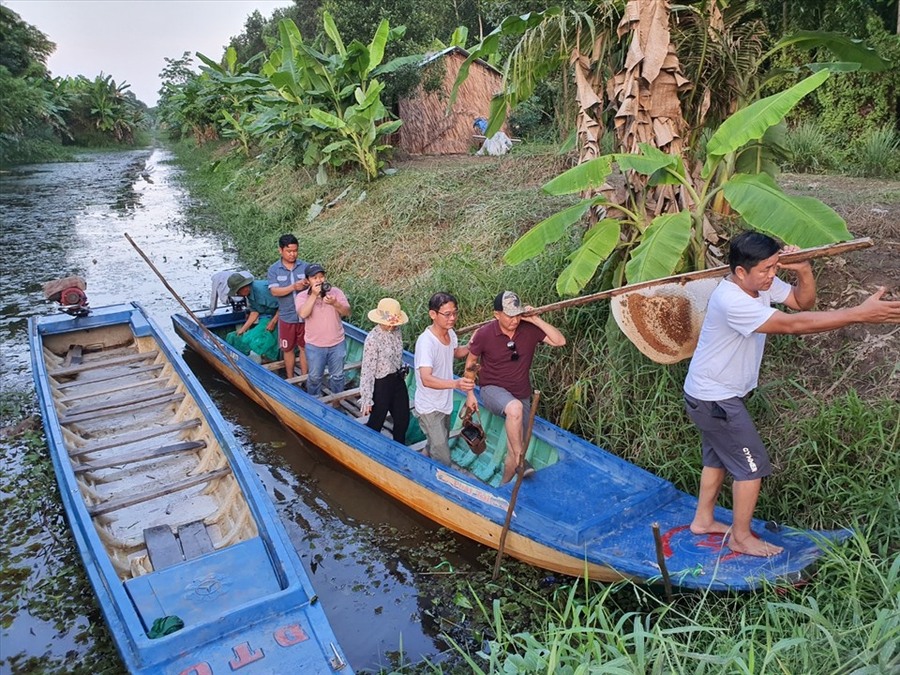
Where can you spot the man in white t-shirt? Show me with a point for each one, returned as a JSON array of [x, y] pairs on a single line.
[[725, 369], [436, 348]]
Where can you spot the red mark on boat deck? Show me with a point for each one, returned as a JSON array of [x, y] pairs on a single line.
[[197, 669], [712, 540], [244, 655], [287, 636]]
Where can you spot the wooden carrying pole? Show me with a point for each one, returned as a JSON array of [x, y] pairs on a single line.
[[215, 340], [520, 473], [722, 270]]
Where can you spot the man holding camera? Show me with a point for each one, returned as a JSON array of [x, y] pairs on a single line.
[[505, 349], [323, 307]]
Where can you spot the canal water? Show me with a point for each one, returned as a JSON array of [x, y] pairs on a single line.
[[371, 560]]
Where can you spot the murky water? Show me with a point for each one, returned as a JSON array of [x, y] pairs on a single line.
[[364, 551]]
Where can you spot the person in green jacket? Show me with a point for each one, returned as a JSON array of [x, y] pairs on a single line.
[[261, 304]]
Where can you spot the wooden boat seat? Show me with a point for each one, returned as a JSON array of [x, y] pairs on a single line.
[[105, 363], [134, 437], [299, 379], [121, 410], [161, 491], [347, 393], [73, 356], [111, 376], [141, 384], [118, 401], [152, 453], [167, 548]]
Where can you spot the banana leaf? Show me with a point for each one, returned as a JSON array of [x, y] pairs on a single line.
[[599, 242], [546, 232], [661, 249]]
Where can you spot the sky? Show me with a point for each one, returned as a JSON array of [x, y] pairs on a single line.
[[128, 39]]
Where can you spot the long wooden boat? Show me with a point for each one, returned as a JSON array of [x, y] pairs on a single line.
[[583, 512], [172, 523]]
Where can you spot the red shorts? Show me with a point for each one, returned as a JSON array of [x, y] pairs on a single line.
[[291, 335]]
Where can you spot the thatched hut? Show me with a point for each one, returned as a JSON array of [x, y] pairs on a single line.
[[428, 128]]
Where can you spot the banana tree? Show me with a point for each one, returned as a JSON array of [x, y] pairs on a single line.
[[334, 94], [652, 248]]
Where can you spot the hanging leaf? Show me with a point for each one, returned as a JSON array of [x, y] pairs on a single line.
[[845, 48], [599, 243], [750, 123], [545, 232], [588, 176], [661, 248], [801, 221]]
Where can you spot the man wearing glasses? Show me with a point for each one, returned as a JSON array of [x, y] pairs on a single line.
[[436, 348], [505, 348]]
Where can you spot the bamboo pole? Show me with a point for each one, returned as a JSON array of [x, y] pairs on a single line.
[[520, 473], [722, 270]]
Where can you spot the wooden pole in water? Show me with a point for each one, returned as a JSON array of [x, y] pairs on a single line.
[[214, 340], [661, 561], [520, 473], [722, 270]]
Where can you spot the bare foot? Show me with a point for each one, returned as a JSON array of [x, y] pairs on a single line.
[[753, 546], [714, 527]]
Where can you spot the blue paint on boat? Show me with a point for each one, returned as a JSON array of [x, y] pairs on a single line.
[[585, 509], [247, 606]]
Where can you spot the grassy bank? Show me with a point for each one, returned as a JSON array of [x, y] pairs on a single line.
[[827, 408]]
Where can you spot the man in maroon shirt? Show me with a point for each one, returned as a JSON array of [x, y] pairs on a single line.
[[505, 349]]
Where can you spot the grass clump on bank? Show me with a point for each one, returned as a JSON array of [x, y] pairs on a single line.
[[827, 409]]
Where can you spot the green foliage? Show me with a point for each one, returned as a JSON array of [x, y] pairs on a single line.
[[809, 149], [877, 154]]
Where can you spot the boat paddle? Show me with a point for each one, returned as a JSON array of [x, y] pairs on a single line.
[[216, 342], [520, 473]]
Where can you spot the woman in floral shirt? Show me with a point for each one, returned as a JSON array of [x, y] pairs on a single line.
[[382, 385]]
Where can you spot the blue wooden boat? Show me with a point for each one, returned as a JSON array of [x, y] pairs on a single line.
[[583, 512], [172, 523]]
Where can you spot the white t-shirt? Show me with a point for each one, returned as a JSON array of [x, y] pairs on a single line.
[[431, 352], [729, 353]]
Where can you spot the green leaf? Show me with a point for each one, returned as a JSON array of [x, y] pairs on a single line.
[[750, 123], [546, 232], [389, 127], [801, 221], [332, 32], [376, 47], [845, 48], [598, 244], [648, 162], [661, 248], [326, 119], [588, 176]]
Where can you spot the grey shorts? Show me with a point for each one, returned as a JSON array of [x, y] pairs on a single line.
[[730, 440], [496, 399]]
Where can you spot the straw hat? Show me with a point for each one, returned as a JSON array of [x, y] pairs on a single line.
[[388, 313]]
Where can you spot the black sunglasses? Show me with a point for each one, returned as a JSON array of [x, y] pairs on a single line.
[[511, 345]]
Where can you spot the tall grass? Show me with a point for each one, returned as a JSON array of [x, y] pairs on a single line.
[[809, 149], [877, 154]]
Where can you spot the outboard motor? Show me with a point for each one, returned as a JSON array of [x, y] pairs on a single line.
[[70, 295]]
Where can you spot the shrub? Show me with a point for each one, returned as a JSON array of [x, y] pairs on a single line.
[[877, 154], [808, 149]]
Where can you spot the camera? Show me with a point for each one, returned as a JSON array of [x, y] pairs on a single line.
[[324, 288]]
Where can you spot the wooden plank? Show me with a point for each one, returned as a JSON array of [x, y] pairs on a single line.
[[132, 499], [105, 363], [134, 437], [119, 401], [151, 453], [163, 547], [194, 540], [302, 378], [112, 390], [274, 365], [347, 393], [81, 417], [113, 376], [73, 356]]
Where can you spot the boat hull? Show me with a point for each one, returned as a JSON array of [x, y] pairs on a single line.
[[585, 512], [171, 522]]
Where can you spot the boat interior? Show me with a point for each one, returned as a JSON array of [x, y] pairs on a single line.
[[156, 483]]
